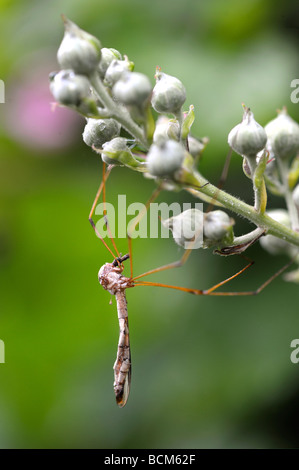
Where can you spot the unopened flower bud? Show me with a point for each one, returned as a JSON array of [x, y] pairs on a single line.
[[68, 88], [283, 135], [248, 137], [217, 225], [116, 69], [292, 276], [296, 196], [166, 129], [79, 50], [165, 159], [116, 152], [274, 245], [107, 56], [187, 228], [196, 146], [98, 131], [132, 88], [169, 94]]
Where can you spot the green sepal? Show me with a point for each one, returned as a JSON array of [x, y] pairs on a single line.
[[88, 108], [187, 122], [259, 183], [293, 175], [149, 123], [125, 157]]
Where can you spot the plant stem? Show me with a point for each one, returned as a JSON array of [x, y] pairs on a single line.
[[263, 221], [118, 112], [248, 237]]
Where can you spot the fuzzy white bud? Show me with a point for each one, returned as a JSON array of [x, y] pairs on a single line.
[[165, 159], [132, 88], [169, 94], [296, 196], [274, 245], [283, 135], [115, 71], [79, 50], [248, 137], [107, 56], [187, 228], [166, 129], [98, 131], [196, 147], [116, 152], [68, 88], [217, 224]]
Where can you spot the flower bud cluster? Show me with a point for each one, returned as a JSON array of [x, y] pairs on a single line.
[[98, 83], [101, 84], [268, 154], [79, 56]]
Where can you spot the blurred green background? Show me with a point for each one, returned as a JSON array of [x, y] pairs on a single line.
[[207, 372]]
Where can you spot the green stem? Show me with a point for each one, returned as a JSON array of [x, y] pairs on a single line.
[[263, 221], [248, 237], [117, 112]]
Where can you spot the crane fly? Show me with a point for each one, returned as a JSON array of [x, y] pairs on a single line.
[[111, 278]]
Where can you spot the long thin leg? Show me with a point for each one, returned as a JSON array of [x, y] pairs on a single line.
[[132, 227], [211, 290], [105, 210], [175, 264], [182, 261], [101, 189]]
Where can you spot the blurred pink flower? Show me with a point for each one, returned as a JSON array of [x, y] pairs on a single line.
[[29, 114]]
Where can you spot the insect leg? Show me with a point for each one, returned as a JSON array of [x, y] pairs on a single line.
[[102, 189]]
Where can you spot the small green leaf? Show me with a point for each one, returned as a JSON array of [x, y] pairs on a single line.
[[293, 175], [188, 121]]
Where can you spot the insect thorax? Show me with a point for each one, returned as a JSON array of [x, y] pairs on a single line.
[[111, 279]]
